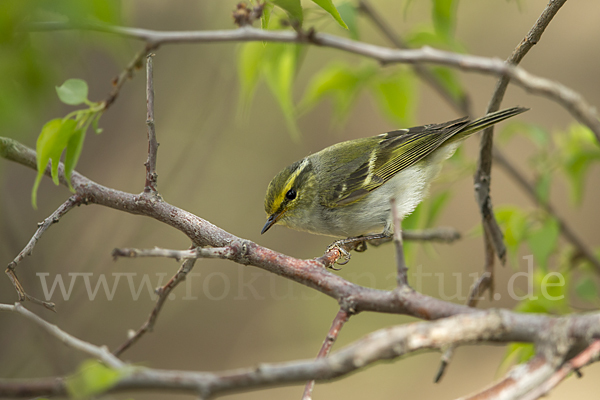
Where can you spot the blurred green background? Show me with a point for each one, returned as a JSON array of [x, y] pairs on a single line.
[[216, 164]]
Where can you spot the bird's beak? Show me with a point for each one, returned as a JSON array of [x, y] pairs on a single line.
[[272, 220]]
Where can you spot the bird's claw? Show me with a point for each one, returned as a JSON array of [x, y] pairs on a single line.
[[343, 253]]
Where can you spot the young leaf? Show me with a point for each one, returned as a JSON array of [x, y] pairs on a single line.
[[293, 8], [249, 65], [579, 151], [396, 95], [91, 378], [444, 17], [542, 241], [266, 15], [586, 289], [542, 186], [340, 82], [348, 13], [74, 148], [50, 144], [95, 127], [279, 69], [328, 6], [73, 92], [449, 80], [437, 204]]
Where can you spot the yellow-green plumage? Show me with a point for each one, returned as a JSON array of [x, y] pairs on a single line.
[[345, 189]]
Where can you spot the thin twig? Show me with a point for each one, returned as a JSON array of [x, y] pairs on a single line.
[[482, 178], [565, 229], [401, 269], [338, 322], [101, 353], [163, 293], [198, 252], [125, 75], [569, 99], [151, 175], [64, 208]]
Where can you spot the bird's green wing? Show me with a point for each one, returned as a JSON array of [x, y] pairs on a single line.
[[395, 151]]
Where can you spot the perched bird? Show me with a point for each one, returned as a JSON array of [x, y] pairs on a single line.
[[345, 189]]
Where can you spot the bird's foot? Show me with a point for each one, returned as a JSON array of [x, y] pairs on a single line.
[[345, 246]]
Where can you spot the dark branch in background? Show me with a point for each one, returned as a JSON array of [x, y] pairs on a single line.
[[338, 322], [462, 105], [163, 294], [482, 178], [569, 99], [150, 164], [566, 230]]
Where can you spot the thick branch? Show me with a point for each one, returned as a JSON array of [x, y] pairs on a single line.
[[385, 344]]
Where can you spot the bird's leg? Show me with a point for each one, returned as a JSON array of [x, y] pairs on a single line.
[[358, 243]]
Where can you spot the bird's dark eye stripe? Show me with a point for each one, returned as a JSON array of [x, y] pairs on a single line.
[[291, 194]]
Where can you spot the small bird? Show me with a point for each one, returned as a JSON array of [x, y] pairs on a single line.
[[345, 190]]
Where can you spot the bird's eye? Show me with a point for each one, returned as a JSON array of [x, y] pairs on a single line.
[[291, 194]]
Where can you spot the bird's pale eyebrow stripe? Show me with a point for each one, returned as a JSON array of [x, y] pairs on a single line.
[[290, 182]]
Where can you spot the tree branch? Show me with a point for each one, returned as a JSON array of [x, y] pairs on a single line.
[[101, 353], [385, 344], [163, 294], [151, 176], [482, 179], [338, 322], [569, 99]]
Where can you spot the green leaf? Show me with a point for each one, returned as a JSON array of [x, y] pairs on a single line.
[[339, 81], [50, 144], [396, 95], [444, 17], [517, 353], [348, 13], [542, 186], [91, 379], [537, 134], [515, 224], [249, 67], [279, 69], [73, 92], [578, 151], [95, 127], [74, 148], [586, 289], [437, 204], [266, 15], [450, 81], [543, 241], [293, 8], [328, 6]]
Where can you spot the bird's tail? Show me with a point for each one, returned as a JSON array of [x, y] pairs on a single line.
[[488, 120]]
